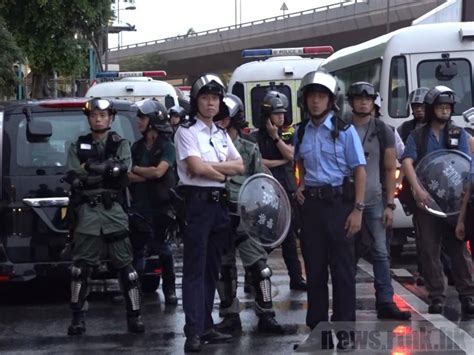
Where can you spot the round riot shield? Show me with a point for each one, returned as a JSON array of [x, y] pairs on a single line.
[[442, 174], [265, 210]]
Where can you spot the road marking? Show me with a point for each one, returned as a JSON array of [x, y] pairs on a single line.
[[460, 337]]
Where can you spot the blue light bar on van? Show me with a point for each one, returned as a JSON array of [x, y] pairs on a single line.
[[275, 52], [129, 74]]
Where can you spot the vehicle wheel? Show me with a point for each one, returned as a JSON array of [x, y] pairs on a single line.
[[396, 250], [150, 283]]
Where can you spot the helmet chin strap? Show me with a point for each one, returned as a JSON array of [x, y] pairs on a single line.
[[362, 114], [102, 130], [442, 120], [321, 115]]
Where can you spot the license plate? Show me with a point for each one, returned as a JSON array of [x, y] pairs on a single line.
[[63, 212]]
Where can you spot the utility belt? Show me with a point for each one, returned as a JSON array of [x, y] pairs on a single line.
[[327, 192], [208, 194], [107, 198]]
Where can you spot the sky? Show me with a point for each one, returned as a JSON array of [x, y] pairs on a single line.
[[156, 19]]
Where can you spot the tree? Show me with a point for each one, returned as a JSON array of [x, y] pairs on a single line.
[[9, 55], [55, 35]]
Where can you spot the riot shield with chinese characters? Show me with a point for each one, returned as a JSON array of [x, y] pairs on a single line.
[[443, 174], [265, 210]]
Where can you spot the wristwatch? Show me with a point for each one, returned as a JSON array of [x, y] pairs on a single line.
[[276, 140], [359, 206], [391, 205]]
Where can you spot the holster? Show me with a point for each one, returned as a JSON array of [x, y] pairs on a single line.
[[348, 189]]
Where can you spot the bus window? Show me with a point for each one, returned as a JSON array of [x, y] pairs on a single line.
[[368, 71], [398, 93], [461, 83], [258, 93]]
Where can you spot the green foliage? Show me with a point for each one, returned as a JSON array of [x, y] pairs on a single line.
[[9, 55], [56, 34]]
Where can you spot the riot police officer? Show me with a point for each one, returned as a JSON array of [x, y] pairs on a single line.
[[439, 133], [98, 163], [278, 157], [416, 100], [206, 157], [330, 155], [152, 177], [253, 255], [378, 142], [177, 116]]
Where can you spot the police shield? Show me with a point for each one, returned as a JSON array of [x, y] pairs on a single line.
[[442, 174], [265, 210]]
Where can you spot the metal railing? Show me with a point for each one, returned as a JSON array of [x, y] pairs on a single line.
[[341, 3]]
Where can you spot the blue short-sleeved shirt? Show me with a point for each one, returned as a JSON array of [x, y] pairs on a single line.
[[327, 161], [433, 144]]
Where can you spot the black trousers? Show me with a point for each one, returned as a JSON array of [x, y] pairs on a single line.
[[205, 238], [324, 245]]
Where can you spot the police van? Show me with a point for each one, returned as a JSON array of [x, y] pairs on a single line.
[[282, 70], [411, 57], [401, 61], [134, 86], [34, 140]]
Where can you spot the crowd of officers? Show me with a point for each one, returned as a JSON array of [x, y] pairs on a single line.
[[206, 159]]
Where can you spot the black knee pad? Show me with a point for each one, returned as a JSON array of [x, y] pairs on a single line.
[[227, 285], [260, 270], [80, 273]]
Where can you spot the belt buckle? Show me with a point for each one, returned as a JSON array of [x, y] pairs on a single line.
[[215, 195]]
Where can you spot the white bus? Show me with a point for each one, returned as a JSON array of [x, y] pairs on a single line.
[[135, 86], [411, 57], [282, 71]]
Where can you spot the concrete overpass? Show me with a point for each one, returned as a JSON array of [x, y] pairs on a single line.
[[219, 50]]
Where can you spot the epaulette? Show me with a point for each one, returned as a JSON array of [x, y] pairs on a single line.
[[188, 123], [342, 125]]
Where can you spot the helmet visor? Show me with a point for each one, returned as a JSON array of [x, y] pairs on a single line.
[[99, 104]]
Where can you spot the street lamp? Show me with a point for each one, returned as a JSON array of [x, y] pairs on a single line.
[[119, 39]]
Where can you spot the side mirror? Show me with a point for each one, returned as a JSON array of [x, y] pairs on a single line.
[[38, 131], [169, 101], [468, 115], [446, 71]]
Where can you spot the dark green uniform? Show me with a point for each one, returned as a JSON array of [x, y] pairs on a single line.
[[97, 227]]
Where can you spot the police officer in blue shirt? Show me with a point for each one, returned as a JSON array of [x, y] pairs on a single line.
[[206, 156], [439, 133], [329, 154]]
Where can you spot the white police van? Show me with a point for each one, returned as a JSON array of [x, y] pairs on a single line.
[[282, 70], [411, 57], [401, 61], [134, 86]]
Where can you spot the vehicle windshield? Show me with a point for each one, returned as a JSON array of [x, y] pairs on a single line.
[[258, 93], [461, 82], [67, 127]]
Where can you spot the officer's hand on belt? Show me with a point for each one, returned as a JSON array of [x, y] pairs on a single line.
[[299, 194]]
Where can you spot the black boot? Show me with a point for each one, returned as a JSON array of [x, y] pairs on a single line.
[[170, 297], [78, 323], [135, 324], [436, 307], [230, 324], [390, 310], [298, 284], [467, 307], [192, 344], [268, 324]]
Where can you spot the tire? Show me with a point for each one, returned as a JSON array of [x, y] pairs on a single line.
[[150, 283]]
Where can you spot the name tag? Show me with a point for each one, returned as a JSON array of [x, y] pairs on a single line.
[[85, 146]]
